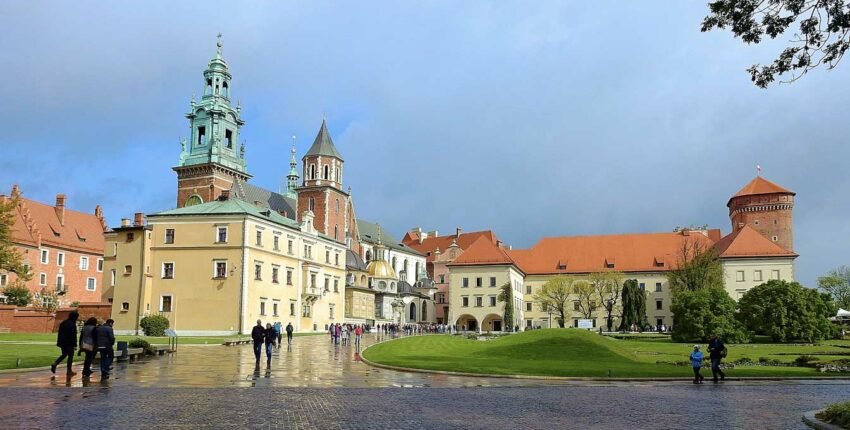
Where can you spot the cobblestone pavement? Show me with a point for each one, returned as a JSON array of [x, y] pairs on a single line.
[[317, 385]]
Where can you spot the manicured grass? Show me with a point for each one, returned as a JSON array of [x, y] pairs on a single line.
[[567, 352], [30, 355]]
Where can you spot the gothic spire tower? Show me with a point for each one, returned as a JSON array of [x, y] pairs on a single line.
[[292, 177], [321, 191], [214, 158]]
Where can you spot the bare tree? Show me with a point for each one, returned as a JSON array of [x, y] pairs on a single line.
[[586, 298], [697, 267], [554, 295], [607, 288]]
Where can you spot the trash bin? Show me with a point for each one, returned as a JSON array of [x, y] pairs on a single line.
[[122, 348]]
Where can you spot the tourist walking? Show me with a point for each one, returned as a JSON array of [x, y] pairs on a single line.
[[289, 331], [87, 344], [337, 333], [358, 333], [258, 335], [716, 352], [696, 362], [105, 338], [278, 333], [66, 340], [271, 336]]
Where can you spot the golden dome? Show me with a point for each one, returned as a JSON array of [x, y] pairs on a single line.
[[380, 269]]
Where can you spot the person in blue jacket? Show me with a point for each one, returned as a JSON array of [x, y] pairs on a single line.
[[696, 362]]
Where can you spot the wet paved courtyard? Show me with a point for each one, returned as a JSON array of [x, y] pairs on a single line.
[[318, 385]]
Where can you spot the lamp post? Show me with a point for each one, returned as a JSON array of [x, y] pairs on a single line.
[[549, 310]]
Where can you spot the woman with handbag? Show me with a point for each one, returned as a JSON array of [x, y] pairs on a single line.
[[87, 342]]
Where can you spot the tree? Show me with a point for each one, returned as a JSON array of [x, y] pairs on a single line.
[[17, 294], [555, 294], [786, 311], [836, 283], [607, 287], [697, 267], [46, 300], [586, 295], [154, 325], [822, 36], [10, 258], [633, 305], [704, 311], [507, 295]]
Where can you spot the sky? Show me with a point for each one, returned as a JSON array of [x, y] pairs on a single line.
[[532, 119]]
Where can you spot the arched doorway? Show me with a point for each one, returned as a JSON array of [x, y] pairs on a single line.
[[412, 312], [493, 322], [467, 323], [424, 312]]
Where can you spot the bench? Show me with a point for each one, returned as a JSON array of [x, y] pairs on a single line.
[[162, 349], [237, 342]]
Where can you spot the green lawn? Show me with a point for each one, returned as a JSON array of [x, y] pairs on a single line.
[[30, 355], [566, 352]]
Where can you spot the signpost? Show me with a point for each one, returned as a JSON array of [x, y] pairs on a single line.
[[586, 324], [172, 339]]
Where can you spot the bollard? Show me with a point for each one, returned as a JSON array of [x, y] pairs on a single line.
[[18, 363], [609, 373]]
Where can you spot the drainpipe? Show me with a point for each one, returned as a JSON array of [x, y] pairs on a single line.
[[243, 295], [141, 278]]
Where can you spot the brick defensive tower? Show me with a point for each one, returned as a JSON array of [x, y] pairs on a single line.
[[767, 208]]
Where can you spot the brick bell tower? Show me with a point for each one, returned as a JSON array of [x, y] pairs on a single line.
[[213, 158], [767, 208], [321, 190]]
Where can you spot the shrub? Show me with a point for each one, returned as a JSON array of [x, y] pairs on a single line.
[[701, 312], [154, 325], [141, 343], [805, 361], [837, 414], [17, 294], [743, 360], [764, 360], [786, 312]]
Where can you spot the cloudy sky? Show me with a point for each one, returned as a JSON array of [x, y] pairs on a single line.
[[529, 118]]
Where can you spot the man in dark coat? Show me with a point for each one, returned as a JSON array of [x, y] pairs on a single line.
[[105, 340], [716, 351], [258, 335], [66, 340]]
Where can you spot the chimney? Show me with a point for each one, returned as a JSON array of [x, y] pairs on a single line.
[[16, 192], [125, 222], [139, 219], [498, 243], [225, 195], [686, 232], [457, 232], [60, 208]]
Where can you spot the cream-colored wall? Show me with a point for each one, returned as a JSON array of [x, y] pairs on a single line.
[[134, 289], [750, 268], [359, 305], [485, 313]]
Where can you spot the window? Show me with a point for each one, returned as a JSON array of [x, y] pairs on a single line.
[[276, 243], [757, 275], [492, 301], [465, 282], [259, 238], [114, 249], [312, 205], [528, 306], [739, 276], [91, 284], [492, 281], [479, 301], [312, 171], [478, 282], [659, 305], [169, 235], [328, 257], [528, 289], [306, 311], [202, 133], [327, 284], [274, 309], [336, 259], [131, 237], [60, 283], [221, 237], [112, 278], [288, 276], [756, 222], [775, 238], [313, 280], [331, 311], [258, 271], [336, 232], [275, 271], [642, 286], [528, 323], [228, 138], [165, 303], [42, 280], [337, 205], [60, 259], [84, 263], [576, 307], [308, 251], [658, 287], [125, 306], [167, 270], [220, 269], [336, 285], [292, 309], [4, 279], [262, 308], [464, 301], [327, 170], [128, 270], [774, 274], [442, 279], [289, 247], [100, 265], [45, 256]]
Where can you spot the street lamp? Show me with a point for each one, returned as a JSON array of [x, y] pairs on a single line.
[[549, 310]]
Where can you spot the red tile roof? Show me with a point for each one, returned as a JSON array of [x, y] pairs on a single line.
[[430, 244], [650, 252], [760, 185], [482, 252], [747, 242], [37, 224]]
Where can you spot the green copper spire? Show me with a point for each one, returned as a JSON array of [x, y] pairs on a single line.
[[292, 177], [214, 122]]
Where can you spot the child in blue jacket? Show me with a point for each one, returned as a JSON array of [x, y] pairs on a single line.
[[696, 362]]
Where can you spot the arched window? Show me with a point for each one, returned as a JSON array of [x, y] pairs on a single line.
[[413, 312], [417, 270], [405, 268], [392, 286], [394, 266], [224, 89], [327, 172], [337, 205], [336, 232], [208, 88], [312, 204], [363, 280], [424, 311], [368, 255], [312, 171]]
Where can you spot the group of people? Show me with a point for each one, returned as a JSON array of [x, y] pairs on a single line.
[[271, 335], [716, 353], [94, 338], [341, 333]]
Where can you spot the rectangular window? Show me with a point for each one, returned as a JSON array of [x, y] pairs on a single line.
[[479, 301], [220, 269], [45, 256], [442, 279], [259, 238], [336, 285], [42, 279], [288, 276], [169, 235], [306, 311], [528, 289], [465, 282], [130, 237], [112, 278], [125, 306], [100, 265], [327, 284], [642, 286], [4, 279], [258, 272], [128, 270], [331, 311], [576, 307], [91, 284], [221, 236], [165, 304], [275, 271], [313, 280], [228, 138], [774, 274], [492, 281], [464, 301], [528, 323], [292, 309], [478, 282], [84, 263], [739, 276], [167, 270], [274, 309], [277, 243], [492, 301], [528, 306], [262, 308], [658, 287], [60, 283], [757, 275], [336, 259], [659, 305], [60, 259], [289, 247], [202, 135]]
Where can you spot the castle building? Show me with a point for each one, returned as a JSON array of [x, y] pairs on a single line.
[[62, 248]]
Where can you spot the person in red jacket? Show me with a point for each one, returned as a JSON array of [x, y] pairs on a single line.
[[358, 333]]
